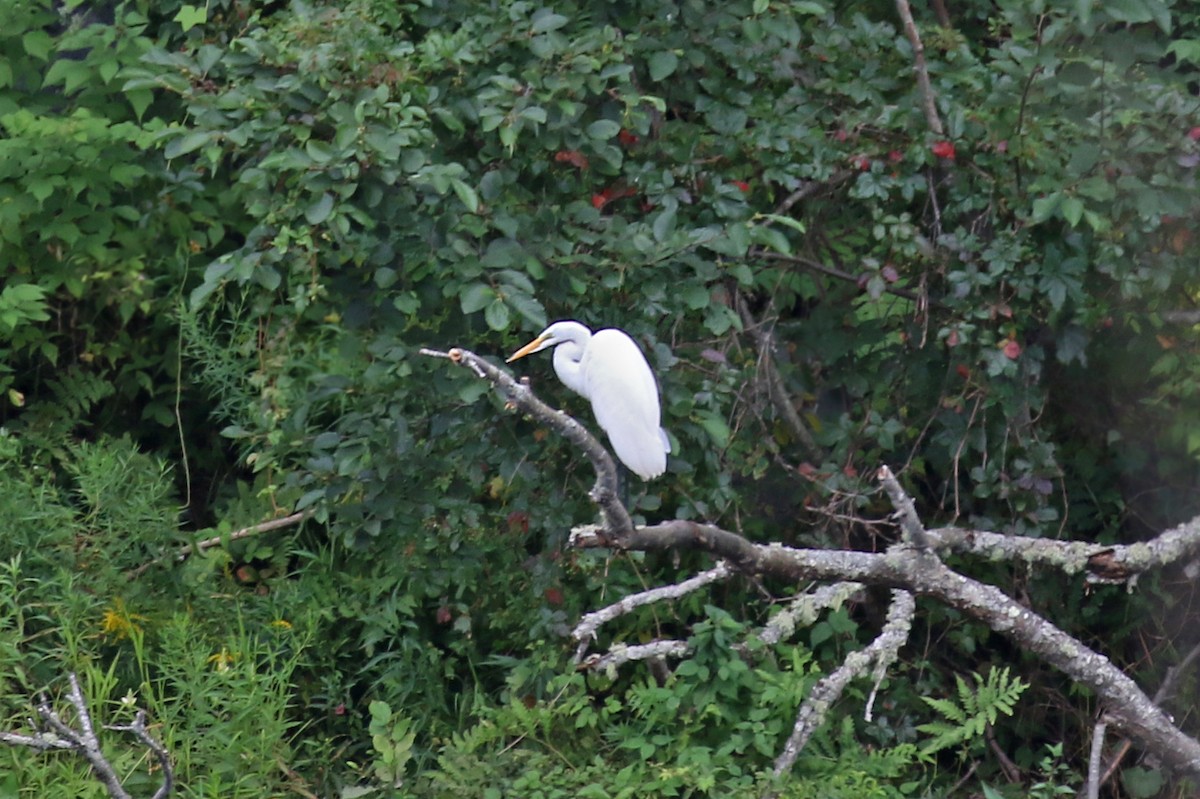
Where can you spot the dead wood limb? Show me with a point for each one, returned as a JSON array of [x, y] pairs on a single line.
[[880, 653], [58, 734], [521, 397], [928, 99]]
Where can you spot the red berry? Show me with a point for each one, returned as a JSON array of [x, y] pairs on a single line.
[[943, 149]]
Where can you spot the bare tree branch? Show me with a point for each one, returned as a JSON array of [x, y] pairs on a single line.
[[805, 608], [620, 654], [928, 100], [585, 631], [216, 540], [881, 652], [904, 567], [521, 396], [1101, 563], [138, 728], [84, 741], [906, 511]]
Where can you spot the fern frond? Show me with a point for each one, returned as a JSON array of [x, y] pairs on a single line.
[[976, 707]]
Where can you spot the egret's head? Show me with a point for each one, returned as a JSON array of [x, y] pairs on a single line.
[[552, 336]]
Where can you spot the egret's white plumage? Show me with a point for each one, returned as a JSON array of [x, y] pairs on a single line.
[[608, 368]]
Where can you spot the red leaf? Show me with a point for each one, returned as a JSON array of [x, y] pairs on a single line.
[[952, 338], [943, 149], [963, 371], [443, 615], [741, 184], [895, 156], [1194, 133], [1012, 350], [600, 200], [626, 138], [572, 157], [554, 596]]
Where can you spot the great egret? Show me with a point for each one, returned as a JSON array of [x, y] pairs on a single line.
[[607, 368]]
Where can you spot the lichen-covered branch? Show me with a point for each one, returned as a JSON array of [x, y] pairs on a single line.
[[1100, 563], [620, 654], [906, 511], [881, 653], [585, 631], [60, 735], [912, 567], [804, 610]]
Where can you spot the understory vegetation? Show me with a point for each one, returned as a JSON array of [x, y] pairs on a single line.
[[228, 228]]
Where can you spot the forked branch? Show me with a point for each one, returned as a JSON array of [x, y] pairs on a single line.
[[58, 734]]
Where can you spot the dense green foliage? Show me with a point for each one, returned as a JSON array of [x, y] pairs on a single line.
[[228, 228]]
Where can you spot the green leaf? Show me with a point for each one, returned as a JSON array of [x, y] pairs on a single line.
[[189, 17], [527, 306], [695, 296], [1142, 783], [466, 194], [320, 209], [1072, 210], [190, 141], [794, 224], [1044, 207], [475, 297], [496, 315], [544, 20], [664, 224], [319, 151], [1185, 50], [716, 428], [603, 129], [37, 43], [663, 64]]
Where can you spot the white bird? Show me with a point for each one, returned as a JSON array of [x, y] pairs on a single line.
[[608, 368]]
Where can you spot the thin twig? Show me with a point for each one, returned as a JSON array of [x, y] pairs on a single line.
[[831, 271], [776, 389], [811, 187], [183, 552]]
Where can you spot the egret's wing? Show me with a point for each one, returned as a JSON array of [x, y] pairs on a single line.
[[624, 399]]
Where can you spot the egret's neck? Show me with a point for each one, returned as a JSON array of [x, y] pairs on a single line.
[[568, 365]]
